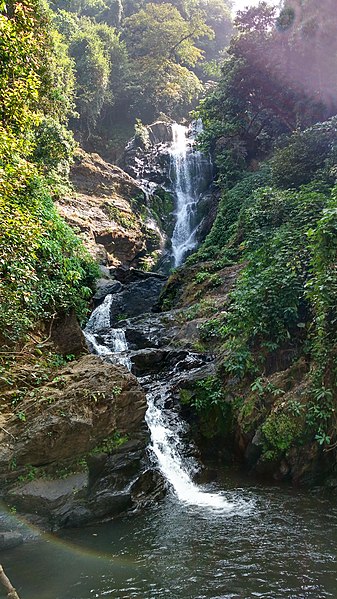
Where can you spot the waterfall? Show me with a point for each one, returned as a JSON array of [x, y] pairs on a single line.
[[165, 444], [187, 175], [166, 428], [104, 340]]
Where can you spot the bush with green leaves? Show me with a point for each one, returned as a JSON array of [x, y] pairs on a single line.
[[232, 202], [44, 268], [307, 155], [269, 305]]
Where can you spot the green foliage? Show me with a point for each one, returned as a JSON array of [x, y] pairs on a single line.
[[280, 432], [269, 305], [109, 444], [271, 85], [92, 74], [142, 136], [305, 154], [208, 394], [207, 399], [44, 267], [231, 203], [53, 152], [138, 59]]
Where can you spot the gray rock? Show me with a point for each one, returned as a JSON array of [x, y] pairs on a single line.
[[105, 271], [150, 486], [136, 298], [46, 497], [160, 132], [105, 287]]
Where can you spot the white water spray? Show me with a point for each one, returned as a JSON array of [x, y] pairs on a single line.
[[165, 446], [114, 344], [187, 175]]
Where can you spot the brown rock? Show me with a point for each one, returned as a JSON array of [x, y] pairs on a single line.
[[67, 336], [87, 402], [105, 211]]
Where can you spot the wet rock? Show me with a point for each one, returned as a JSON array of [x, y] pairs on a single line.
[[9, 540], [110, 476], [48, 497], [105, 272], [105, 287], [160, 132], [150, 160], [149, 360], [149, 333], [254, 449], [136, 298], [88, 405], [132, 275], [150, 486]]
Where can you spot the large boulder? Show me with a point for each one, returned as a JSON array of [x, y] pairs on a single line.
[[81, 447], [87, 402], [136, 298]]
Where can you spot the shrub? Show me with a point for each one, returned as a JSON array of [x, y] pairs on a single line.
[[44, 267]]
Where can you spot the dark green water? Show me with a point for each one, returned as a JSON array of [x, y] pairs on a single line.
[[276, 543]]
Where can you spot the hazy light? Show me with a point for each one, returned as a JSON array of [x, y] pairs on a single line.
[[242, 4]]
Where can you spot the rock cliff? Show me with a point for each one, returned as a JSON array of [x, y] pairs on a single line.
[[108, 209]]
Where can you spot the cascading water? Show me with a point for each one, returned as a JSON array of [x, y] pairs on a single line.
[[188, 169], [166, 429], [165, 444], [190, 175], [104, 340]]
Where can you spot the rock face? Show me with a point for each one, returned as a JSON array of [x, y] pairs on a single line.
[[109, 211], [178, 169], [135, 298], [147, 157], [66, 335], [86, 404], [81, 448]]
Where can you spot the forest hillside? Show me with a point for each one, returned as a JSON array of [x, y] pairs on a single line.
[[93, 73]]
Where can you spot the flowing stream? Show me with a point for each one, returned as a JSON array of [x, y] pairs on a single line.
[[166, 432]]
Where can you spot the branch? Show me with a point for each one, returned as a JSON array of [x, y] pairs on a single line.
[[6, 583], [8, 433], [183, 39]]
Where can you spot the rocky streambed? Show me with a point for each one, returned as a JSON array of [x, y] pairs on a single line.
[[82, 454]]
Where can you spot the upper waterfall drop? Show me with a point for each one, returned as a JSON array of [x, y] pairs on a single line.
[[188, 169]]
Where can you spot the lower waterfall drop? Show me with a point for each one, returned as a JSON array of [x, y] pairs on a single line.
[[165, 446], [104, 340]]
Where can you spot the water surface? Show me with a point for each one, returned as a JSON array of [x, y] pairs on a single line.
[[275, 543]]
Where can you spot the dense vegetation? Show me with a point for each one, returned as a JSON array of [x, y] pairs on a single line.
[[98, 65], [44, 268], [138, 59], [271, 129]]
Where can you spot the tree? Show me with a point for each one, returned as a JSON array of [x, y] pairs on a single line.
[[261, 94], [159, 31], [161, 44]]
